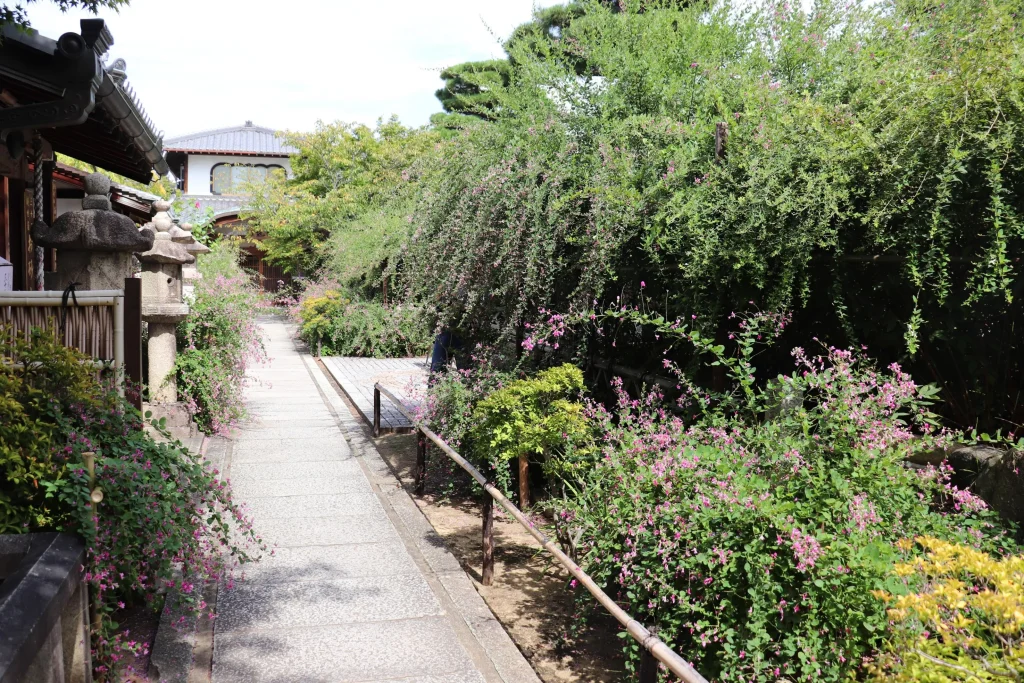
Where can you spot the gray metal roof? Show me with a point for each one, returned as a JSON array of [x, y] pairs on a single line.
[[247, 139]]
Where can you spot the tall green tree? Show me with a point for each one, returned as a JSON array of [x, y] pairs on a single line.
[[18, 14], [332, 211], [473, 87]]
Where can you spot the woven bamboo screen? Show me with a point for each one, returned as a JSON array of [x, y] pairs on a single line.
[[88, 328]]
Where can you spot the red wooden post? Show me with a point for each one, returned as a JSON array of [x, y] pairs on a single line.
[[421, 462], [487, 572], [133, 339]]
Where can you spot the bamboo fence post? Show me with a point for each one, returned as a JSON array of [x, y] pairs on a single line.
[[421, 462], [487, 571], [96, 496], [524, 482]]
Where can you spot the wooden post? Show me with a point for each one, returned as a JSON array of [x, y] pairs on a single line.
[[721, 137], [5, 223], [487, 571], [421, 462], [133, 338], [376, 412], [648, 668], [524, 482]]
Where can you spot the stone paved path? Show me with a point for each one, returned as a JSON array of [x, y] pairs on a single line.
[[406, 377], [360, 588]]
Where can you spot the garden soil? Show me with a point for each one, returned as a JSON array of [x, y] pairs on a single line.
[[529, 595]]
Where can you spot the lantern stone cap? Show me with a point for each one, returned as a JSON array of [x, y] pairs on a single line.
[[164, 312], [95, 229], [197, 247], [179, 235], [165, 251]]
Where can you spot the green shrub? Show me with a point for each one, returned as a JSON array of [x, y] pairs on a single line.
[[339, 326], [163, 508], [219, 341]]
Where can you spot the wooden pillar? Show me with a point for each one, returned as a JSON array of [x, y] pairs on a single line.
[[648, 668], [421, 462], [376, 412], [721, 138], [487, 569], [133, 339], [16, 233], [5, 223], [524, 482]]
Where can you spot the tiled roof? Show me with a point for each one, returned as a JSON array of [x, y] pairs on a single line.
[[247, 139], [221, 204], [121, 189]]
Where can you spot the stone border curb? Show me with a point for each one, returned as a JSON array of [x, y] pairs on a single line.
[[181, 652]]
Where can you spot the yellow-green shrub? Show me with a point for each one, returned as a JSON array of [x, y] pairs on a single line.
[[536, 417], [964, 622]]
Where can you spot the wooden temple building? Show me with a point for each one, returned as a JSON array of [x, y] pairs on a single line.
[[211, 168], [60, 96]]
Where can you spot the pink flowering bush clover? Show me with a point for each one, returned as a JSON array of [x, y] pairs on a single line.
[[751, 534]]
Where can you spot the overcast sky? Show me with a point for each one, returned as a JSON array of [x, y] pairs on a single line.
[[202, 64]]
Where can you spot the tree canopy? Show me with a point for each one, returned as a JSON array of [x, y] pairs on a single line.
[[18, 14], [472, 87], [858, 163], [340, 204]]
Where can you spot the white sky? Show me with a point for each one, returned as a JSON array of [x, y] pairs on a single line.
[[202, 64]]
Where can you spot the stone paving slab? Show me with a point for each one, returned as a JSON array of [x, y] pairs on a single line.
[[288, 470], [292, 434], [358, 502], [289, 453], [423, 650], [246, 489], [324, 563], [272, 420], [405, 377], [274, 605], [319, 531], [295, 447]]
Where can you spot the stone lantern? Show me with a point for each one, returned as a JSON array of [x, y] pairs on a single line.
[[94, 245], [163, 308], [190, 272]]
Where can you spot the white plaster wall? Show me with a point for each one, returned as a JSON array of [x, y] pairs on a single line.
[[200, 165]]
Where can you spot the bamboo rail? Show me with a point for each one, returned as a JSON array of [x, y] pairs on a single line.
[[653, 646]]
